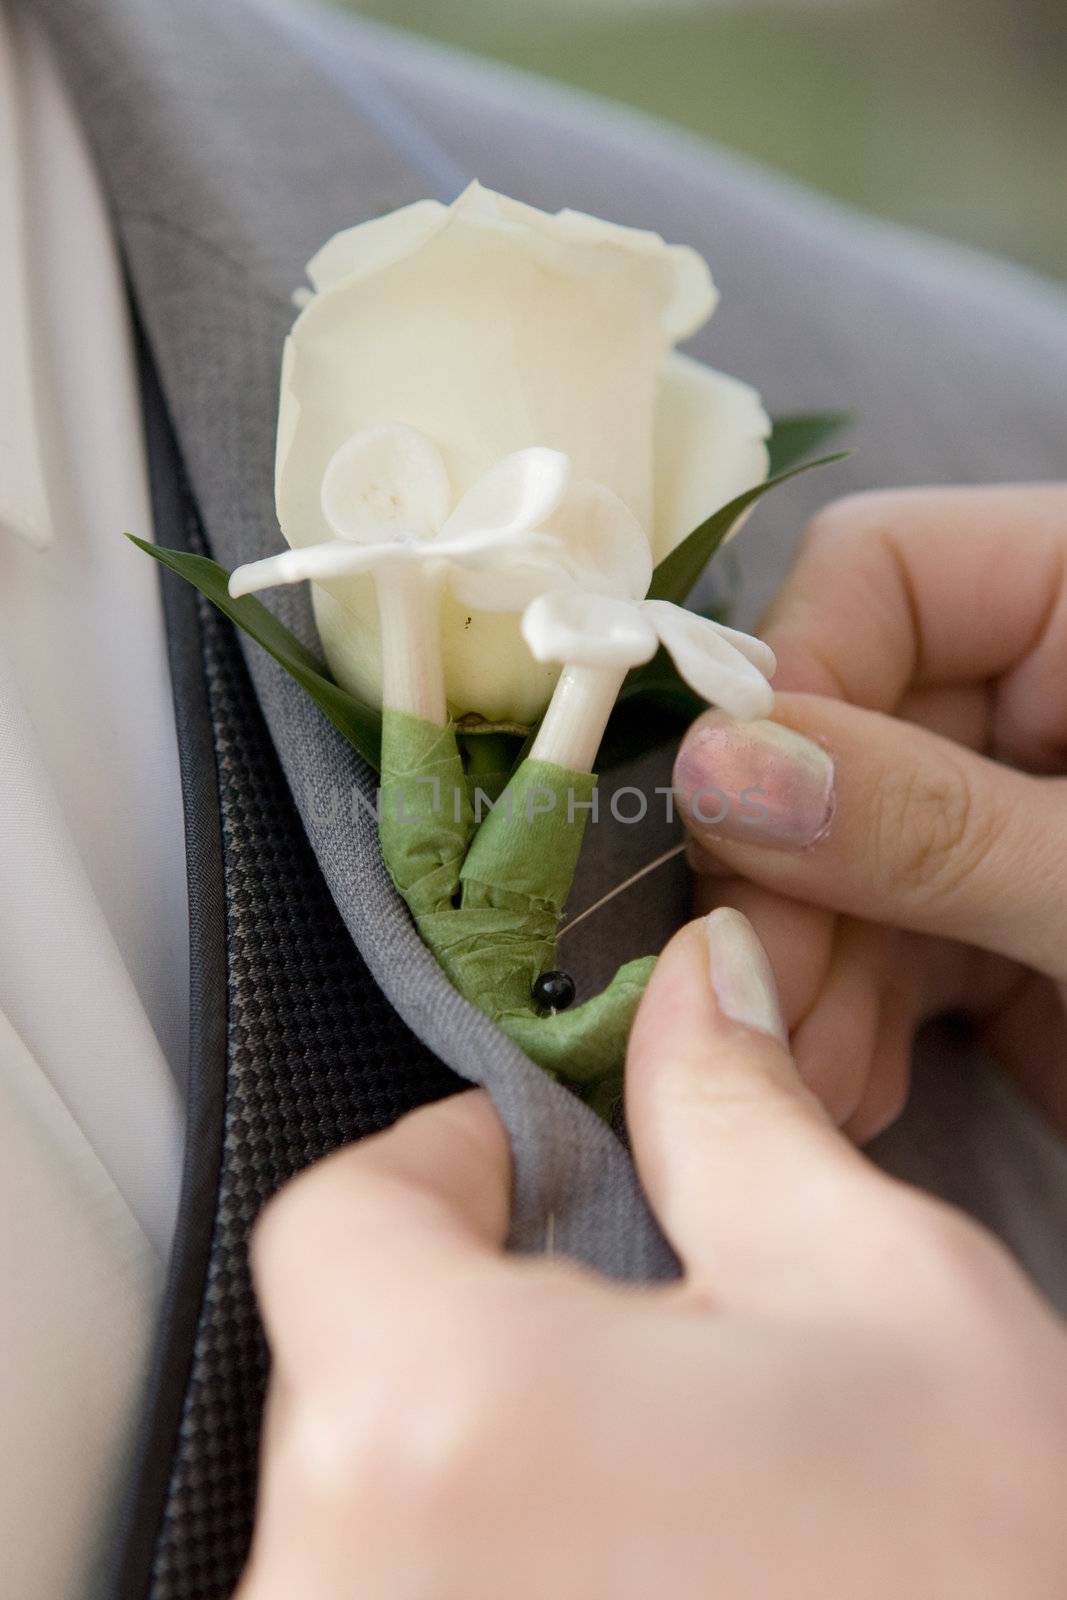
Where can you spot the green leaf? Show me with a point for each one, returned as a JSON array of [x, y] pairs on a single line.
[[678, 572], [793, 439], [360, 724]]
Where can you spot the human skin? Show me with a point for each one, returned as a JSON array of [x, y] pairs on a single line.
[[922, 645], [852, 1390]]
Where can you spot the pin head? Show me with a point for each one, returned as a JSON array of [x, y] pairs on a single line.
[[553, 991]]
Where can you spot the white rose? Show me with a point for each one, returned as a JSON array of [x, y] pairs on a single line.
[[492, 327]]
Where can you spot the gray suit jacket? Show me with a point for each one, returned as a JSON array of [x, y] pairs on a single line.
[[234, 139]]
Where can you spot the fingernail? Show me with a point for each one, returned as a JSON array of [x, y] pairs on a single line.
[[741, 975], [754, 783]]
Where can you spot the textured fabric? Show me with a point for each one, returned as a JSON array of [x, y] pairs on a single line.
[[315, 1058], [312, 1056], [220, 199]]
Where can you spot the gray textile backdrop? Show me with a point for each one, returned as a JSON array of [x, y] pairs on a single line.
[[231, 153]]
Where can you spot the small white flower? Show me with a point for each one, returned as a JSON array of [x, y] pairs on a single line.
[[595, 622], [387, 500], [726, 668]]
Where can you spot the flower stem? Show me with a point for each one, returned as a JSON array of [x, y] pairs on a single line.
[[573, 726], [409, 615]]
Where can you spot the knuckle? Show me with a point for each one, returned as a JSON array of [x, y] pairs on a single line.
[[407, 1437], [859, 515], [432, 1447], [417, 1433], [929, 832]]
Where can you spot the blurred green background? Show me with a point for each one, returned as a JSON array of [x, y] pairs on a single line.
[[948, 114]]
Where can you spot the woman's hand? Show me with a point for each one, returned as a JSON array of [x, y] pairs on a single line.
[[923, 637], [852, 1391]]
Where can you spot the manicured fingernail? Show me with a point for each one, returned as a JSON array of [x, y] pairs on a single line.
[[741, 975], [754, 783]]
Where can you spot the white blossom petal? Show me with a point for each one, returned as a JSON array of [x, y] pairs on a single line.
[[606, 548], [710, 446], [515, 496], [317, 562], [490, 548], [755, 650], [710, 664], [386, 482], [588, 630]]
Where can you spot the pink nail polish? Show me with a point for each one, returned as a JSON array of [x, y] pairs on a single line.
[[754, 783]]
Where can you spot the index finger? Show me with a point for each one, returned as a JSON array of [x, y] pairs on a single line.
[[400, 1215], [933, 587]]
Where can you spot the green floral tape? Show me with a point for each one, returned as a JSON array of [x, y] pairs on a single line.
[[486, 881]]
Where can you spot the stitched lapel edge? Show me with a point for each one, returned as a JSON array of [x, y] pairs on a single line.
[[140, 1515]]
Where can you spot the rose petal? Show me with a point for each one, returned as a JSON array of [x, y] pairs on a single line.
[[372, 246], [502, 586], [490, 327], [497, 331], [516, 688], [688, 296], [709, 663], [385, 482], [710, 446], [587, 630]]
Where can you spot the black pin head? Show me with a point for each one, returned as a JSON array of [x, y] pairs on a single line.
[[553, 991]]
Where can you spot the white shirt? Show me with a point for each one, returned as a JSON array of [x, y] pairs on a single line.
[[93, 914]]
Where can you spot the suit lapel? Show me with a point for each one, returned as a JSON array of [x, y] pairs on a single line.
[[229, 157], [294, 1051]]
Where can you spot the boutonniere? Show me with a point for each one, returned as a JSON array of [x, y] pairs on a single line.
[[501, 482]]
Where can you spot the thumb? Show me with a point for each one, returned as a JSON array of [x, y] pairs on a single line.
[[400, 1219], [860, 813], [746, 1173]]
